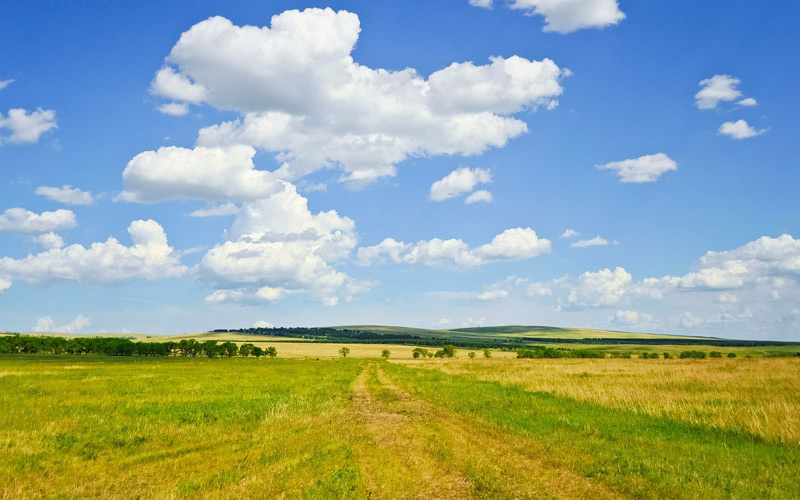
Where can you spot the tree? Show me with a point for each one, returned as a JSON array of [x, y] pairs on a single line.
[[230, 349], [419, 352], [487, 353], [246, 350], [271, 352], [257, 351], [385, 353], [471, 355], [211, 349], [344, 351], [449, 351]]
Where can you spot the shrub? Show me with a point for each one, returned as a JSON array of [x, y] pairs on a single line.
[[385, 353], [471, 355], [487, 353], [419, 352], [693, 355], [667, 355], [731, 354], [715, 354]]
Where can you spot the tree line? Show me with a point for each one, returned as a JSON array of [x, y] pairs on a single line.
[[115, 346]]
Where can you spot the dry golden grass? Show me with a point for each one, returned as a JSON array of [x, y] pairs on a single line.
[[759, 396]]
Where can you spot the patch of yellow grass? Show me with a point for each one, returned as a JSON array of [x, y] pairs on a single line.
[[759, 396]]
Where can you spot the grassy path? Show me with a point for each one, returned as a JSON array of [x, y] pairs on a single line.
[[411, 448]]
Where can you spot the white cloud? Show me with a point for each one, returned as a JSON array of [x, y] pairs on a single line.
[[486, 4], [479, 196], [263, 324], [597, 241], [511, 244], [569, 233], [66, 194], [489, 295], [739, 130], [27, 126], [174, 108], [49, 240], [201, 173], [47, 324], [748, 102], [277, 246], [727, 298], [474, 322], [538, 290], [566, 16], [108, 262], [5, 83], [443, 322], [459, 181], [715, 89], [646, 168], [216, 210], [302, 97], [603, 288], [19, 220], [634, 319], [4, 285]]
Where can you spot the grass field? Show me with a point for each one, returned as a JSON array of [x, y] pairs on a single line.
[[88, 426]]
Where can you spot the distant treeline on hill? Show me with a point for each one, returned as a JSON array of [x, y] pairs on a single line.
[[324, 333], [115, 346]]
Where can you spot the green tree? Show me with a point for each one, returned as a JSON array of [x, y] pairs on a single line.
[[229, 349], [246, 350], [471, 355], [419, 352], [386, 353], [449, 351], [257, 351], [271, 352], [344, 351], [487, 353]]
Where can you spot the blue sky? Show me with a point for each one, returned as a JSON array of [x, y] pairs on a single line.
[[416, 163]]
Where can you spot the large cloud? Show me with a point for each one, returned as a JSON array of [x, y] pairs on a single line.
[[303, 98], [511, 244], [109, 262], [27, 126], [276, 246], [19, 220], [565, 16], [200, 173]]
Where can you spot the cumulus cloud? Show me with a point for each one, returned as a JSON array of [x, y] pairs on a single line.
[[634, 319], [646, 168], [216, 210], [566, 16], [27, 126], [602, 288], [109, 262], [21, 221], [47, 324], [4, 285], [200, 173], [302, 97], [49, 240], [511, 244], [263, 324], [459, 181], [492, 294], [66, 194], [569, 233], [597, 241], [174, 108], [715, 89], [479, 196], [441, 323], [739, 130], [277, 246]]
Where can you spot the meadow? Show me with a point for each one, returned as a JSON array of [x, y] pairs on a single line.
[[135, 427]]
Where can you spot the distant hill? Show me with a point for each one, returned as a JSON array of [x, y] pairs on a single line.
[[513, 333]]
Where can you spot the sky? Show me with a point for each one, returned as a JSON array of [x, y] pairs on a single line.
[[620, 165]]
